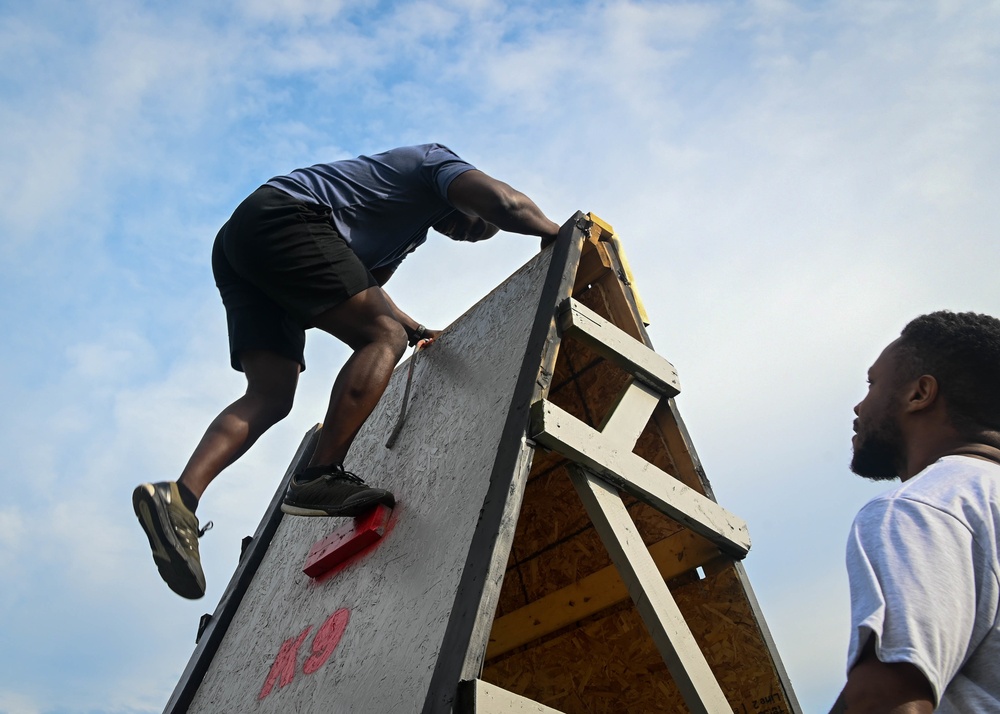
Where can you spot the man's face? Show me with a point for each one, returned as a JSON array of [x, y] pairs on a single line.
[[879, 449]]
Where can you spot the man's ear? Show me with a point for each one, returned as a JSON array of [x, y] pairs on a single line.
[[922, 393]]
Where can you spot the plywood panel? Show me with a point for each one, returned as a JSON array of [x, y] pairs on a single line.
[[608, 664], [397, 598]]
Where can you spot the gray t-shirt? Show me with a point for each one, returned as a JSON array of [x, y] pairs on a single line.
[[925, 581], [382, 205]]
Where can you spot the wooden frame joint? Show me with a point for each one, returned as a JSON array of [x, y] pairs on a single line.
[[616, 345]]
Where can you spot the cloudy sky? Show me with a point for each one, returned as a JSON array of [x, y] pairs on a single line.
[[792, 181]]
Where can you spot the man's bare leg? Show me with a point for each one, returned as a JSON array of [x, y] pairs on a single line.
[[368, 325], [166, 510], [271, 382]]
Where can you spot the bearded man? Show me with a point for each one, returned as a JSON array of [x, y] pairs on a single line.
[[923, 558]]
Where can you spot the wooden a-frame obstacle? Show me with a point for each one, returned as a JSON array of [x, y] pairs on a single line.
[[555, 546]]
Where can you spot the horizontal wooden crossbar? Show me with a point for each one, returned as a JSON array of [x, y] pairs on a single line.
[[558, 430], [674, 555], [616, 345]]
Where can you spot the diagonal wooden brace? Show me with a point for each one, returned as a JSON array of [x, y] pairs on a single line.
[[559, 431], [629, 415], [478, 697], [652, 598], [616, 345]]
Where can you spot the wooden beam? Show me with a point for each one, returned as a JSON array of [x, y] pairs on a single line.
[[674, 555], [559, 431], [608, 235], [629, 415], [669, 424], [614, 344], [605, 231], [479, 697], [666, 624], [595, 263]]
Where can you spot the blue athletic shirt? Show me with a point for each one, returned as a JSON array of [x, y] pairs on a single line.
[[383, 204]]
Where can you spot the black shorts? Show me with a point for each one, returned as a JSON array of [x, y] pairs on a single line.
[[278, 263]]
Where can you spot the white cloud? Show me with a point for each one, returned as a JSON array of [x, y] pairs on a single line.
[[112, 357], [791, 182], [14, 703], [79, 131], [294, 13], [12, 542]]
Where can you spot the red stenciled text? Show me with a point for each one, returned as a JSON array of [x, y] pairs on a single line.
[[324, 642]]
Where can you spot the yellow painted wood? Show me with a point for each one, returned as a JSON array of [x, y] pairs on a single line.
[[595, 264], [608, 234], [605, 227], [677, 554]]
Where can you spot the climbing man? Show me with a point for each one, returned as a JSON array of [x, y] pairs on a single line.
[[922, 558], [314, 248]]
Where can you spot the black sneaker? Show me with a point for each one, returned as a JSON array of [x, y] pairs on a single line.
[[331, 491], [173, 533]]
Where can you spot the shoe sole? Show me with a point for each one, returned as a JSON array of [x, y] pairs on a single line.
[[174, 566], [354, 509]]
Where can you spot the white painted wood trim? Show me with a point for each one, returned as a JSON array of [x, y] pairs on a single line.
[[613, 343], [555, 429], [486, 698], [664, 620], [630, 414]]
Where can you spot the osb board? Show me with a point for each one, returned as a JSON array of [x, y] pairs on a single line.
[[609, 665], [369, 636], [555, 544], [608, 662]]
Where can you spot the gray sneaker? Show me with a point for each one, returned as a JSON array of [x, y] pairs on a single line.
[[173, 533], [331, 491]]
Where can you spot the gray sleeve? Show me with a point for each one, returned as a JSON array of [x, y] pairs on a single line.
[[913, 587], [443, 166]]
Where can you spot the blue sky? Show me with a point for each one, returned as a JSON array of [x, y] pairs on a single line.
[[792, 181]]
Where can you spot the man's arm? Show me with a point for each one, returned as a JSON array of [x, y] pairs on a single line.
[[875, 687], [478, 194], [383, 274]]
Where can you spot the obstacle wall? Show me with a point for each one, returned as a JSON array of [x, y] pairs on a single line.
[[488, 587]]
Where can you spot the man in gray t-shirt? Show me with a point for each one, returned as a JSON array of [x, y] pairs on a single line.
[[314, 248], [923, 558]]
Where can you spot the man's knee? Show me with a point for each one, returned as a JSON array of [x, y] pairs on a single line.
[[272, 405], [364, 320], [280, 405], [389, 332], [271, 382]]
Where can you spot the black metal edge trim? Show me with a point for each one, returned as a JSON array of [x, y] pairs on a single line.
[[250, 561], [455, 650]]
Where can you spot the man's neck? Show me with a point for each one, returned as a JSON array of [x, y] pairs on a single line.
[[984, 446], [983, 451]]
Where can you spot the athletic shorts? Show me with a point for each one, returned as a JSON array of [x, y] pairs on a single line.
[[278, 263]]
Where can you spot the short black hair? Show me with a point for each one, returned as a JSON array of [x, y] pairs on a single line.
[[962, 352]]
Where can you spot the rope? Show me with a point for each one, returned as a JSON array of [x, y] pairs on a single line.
[[406, 394]]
